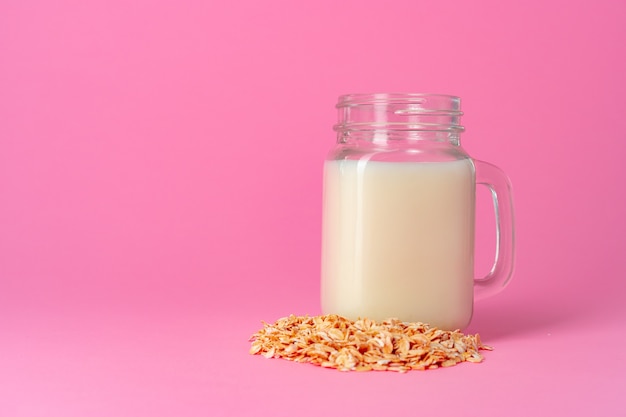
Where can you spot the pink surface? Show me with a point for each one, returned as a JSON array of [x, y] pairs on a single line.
[[160, 184]]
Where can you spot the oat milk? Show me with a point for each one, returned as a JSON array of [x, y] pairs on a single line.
[[398, 241]]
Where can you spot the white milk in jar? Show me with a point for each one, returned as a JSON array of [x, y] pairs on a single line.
[[398, 240]]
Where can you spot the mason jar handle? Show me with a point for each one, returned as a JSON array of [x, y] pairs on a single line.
[[502, 270]]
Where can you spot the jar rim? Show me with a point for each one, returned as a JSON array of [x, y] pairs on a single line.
[[358, 99], [399, 111]]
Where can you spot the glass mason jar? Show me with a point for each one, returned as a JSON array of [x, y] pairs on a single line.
[[399, 213]]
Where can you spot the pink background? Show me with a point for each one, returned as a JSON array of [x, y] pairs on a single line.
[[160, 194]]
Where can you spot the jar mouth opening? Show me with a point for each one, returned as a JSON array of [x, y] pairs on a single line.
[[431, 100], [398, 127], [399, 111]]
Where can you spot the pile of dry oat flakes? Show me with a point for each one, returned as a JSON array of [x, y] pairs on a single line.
[[335, 342]]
